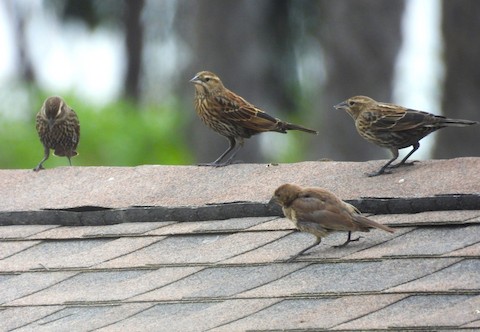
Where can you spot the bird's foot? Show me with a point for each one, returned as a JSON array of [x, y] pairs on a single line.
[[347, 242], [411, 163], [214, 164], [38, 168], [380, 172]]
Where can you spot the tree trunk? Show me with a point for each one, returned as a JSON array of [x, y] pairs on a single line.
[[134, 46], [361, 40], [19, 17], [461, 25]]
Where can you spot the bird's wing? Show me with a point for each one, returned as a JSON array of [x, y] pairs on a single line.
[[312, 209], [236, 109], [394, 118], [74, 117]]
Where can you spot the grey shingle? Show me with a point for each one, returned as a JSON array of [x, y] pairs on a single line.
[[191, 316], [418, 311], [14, 318], [231, 274], [82, 232], [23, 231], [311, 313], [219, 282], [85, 318], [431, 241], [108, 286], [461, 276], [13, 287], [351, 277], [9, 248]]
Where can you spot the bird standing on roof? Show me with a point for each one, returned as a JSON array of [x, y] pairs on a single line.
[[58, 128], [394, 127], [232, 116], [320, 212]]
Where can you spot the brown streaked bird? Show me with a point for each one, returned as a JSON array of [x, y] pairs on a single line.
[[58, 128], [394, 127], [232, 116], [320, 212]]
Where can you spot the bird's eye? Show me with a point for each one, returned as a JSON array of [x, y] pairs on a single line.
[[207, 79], [351, 103]]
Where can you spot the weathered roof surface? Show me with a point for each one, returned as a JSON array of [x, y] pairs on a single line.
[[158, 273], [162, 193]]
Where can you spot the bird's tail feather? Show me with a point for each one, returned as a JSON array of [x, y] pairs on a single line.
[[291, 126], [370, 223], [459, 122]]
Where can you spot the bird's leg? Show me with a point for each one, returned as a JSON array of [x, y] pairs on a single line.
[[217, 162], [69, 155], [317, 242], [403, 162], [383, 170], [349, 239], [230, 159], [46, 154]]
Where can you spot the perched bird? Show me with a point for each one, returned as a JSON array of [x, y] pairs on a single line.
[[394, 127], [232, 116], [319, 212], [58, 128]]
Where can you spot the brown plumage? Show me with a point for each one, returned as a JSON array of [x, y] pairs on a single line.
[[232, 116], [319, 212], [58, 128], [394, 127]]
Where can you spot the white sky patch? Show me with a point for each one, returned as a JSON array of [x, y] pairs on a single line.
[[72, 57], [7, 55], [275, 145], [100, 62], [419, 70]]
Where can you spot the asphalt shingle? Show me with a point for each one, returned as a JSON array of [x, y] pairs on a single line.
[[14, 287], [105, 286], [228, 281], [351, 277], [417, 311], [16, 318], [461, 276], [432, 240], [23, 231], [82, 232], [153, 271], [190, 317], [84, 318], [311, 313]]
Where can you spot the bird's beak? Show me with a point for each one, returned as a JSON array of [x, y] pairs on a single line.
[[196, 80], [342, 106], [273, 200]]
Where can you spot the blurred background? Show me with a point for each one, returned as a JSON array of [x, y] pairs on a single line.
[[124, 66]]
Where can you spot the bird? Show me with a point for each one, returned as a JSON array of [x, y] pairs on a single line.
[[231, 116], [58, 128], [394, 127], [320, 212]]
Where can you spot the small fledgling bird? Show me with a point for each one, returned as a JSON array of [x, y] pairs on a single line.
[[58, 128], [394, 127], [319, 212], [232, 116]]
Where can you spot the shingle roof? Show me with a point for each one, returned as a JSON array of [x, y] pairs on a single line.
[[196, 273]]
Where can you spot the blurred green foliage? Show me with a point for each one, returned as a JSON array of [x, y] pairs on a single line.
[[123, 133], [118, 134]]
